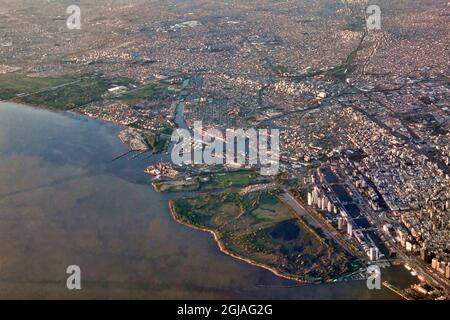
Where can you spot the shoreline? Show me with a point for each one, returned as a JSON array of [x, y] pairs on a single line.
[[170, 202], [233, 255], [222, 249]]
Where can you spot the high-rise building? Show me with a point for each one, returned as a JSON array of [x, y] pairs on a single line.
[[434, 263], [349, 229], [374, 254], [409, 246], [441, 267], [310, 199], [323, 203], [340, 223]]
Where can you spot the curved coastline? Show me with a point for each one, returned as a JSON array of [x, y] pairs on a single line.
[[170, 202], [231, 254], [346, 291]]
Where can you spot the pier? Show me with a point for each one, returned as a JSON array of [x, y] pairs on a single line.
[[398, 291]]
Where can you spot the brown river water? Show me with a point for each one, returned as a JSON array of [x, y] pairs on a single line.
[[63, 201]]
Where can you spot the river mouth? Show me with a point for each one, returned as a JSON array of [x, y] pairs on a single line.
[[63, 201]]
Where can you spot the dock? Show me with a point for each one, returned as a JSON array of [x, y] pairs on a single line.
[[398, 291]]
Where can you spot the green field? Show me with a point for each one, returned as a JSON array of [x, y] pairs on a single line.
[[262, 229], [146, 92], [68, 93], [211, 181], [13, 84], [72, 96], [224, 180], [158, 141], [176, 186]]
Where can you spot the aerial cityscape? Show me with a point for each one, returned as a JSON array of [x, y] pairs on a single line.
[[352, 96]]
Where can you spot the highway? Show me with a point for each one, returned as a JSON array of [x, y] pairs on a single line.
[[302, 212]]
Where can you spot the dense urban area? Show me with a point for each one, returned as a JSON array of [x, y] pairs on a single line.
[[363, 118]]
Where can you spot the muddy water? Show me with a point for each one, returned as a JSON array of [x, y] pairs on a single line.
[[64, 202]]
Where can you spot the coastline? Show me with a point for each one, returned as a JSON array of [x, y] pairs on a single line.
[[231, 254], [170, 202], [72, 114]]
